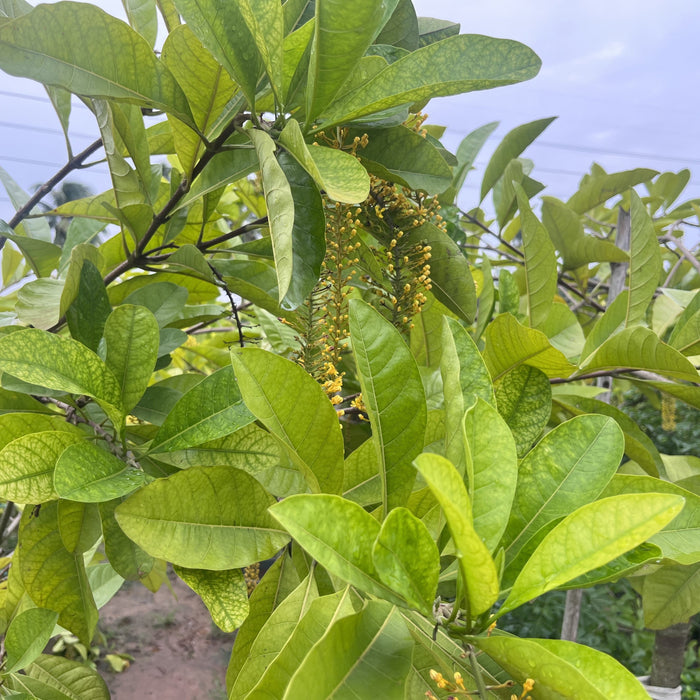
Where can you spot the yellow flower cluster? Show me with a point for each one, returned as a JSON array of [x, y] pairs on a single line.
[[251, 575]]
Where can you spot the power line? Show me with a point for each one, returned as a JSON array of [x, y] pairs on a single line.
[[612, 152], [44, 163], [44, 130], [596, 151], [36, 98]]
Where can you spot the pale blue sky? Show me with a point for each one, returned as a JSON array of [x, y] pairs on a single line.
[[623, 77]]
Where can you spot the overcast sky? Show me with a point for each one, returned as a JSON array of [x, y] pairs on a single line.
[[622, 76]]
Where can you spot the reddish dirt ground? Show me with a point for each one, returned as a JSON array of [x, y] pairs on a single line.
[[178, 653]]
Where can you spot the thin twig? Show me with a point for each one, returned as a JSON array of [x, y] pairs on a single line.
[[580, 294], [73, 164], [592, 375], [231, 300]]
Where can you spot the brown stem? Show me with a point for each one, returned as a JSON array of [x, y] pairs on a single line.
[[7, 514], [73, 164], [592, 375], [231, 301]]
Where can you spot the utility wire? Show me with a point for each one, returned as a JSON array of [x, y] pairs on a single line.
[[546, 144], [44, 130]]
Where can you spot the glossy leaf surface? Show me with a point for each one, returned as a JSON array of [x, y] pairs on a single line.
[[476, 565], [590, 537], [203, 518], [393, 392], [292, 406]]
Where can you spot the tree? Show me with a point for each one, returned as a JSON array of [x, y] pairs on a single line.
[[292, 348]]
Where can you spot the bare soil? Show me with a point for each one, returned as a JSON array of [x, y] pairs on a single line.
[[179, 654]]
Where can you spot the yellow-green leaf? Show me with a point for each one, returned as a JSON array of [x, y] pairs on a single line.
[[28, 464], [591, 536], [477, 568], [223, 592], [203, 518], [457, 64], [81, 48]]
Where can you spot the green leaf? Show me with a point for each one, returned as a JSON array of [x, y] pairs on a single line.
[[34, 228], [164, 299], [28, 465], [42, 256], [277, 583], [640, 348], [320, 524], [670, 596], [685, 336], [638, 446], [265, 21], [504, 200], [568, 468], [565, 229], [680, 539], [407, 559], [590, 537], [127, 559], [87, 314], [338, 173], [563, 669], [342, 34], [221, 170], [540, 263], [431, 30], [406, 158], [223, 592], [467, 152], [478, 571], [294, 407], [280, 207], [143, 18], [450, 276], [203, 518], [317, 620], [371, 649], [464, 378], [524, 399], [68, 679], [645, 262], [487, 297], [626, 565], [79, 525], [308, 233], [211, 409], [189, 260], [509, 344], [27, 636], [83, 49], [393, 393], [222, 29], [89, 474], [21, 422], [250, 448], [448, 67], [131, 335], [492, 469], [275, 631], [513, 144], [53, 576], [59, 363], [597, 189], [296, 54], [206, 84]]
